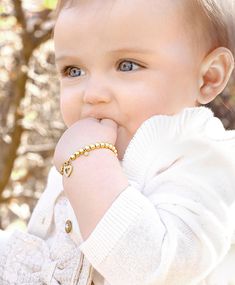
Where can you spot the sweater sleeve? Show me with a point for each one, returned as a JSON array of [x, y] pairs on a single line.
[[4, 237], [175, 230]]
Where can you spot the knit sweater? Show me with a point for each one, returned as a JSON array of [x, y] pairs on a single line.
[[173, 225]]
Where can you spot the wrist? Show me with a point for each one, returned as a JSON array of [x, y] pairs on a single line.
[[67, 167], [99, 168], [96, 160]]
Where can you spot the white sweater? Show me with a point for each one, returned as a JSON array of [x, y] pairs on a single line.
[[173, 225]]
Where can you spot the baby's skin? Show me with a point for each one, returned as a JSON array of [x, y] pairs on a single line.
[[120, 63]]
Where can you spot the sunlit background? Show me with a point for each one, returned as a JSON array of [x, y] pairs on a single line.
[[30, 119]]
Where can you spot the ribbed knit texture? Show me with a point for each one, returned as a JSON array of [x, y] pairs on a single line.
[[173, 225]]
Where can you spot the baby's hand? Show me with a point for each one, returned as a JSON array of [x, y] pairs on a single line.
[[81, 133]]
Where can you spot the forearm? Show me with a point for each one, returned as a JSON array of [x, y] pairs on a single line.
[[95, 183]]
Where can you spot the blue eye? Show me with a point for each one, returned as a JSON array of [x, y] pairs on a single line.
[[127, 65], [71, 71]]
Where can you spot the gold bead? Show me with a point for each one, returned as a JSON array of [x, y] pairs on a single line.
[[66, 168], [68, 226], [92, 146], [87, 148], [72, 157], [77, 154]]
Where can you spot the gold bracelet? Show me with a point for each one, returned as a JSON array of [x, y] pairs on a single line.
[[67, 167]]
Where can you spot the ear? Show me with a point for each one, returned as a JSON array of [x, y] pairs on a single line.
[[215, 72]]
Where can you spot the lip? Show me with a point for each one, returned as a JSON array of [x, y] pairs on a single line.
[[98, 116], [95, 115]]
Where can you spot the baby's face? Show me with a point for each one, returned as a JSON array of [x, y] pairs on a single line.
[[127, 61]]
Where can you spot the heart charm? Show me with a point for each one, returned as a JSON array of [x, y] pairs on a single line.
[[68, 170]]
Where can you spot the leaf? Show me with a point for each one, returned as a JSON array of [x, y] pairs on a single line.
[[2, 9], [18, 174], [8, 22], [50, 4]]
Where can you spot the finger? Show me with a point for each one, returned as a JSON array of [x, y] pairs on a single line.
[[109, 122]]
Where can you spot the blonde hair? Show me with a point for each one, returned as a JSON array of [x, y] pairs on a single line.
[[217, 22], [216, 19]]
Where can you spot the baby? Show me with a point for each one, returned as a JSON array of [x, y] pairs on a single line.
[[127, 61], [142, 191]]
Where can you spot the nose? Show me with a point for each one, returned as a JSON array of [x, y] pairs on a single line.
[[96, 91]]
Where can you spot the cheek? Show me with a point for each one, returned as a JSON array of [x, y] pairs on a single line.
[[64, 108], [148, 97], [70, 109], [138, 104]]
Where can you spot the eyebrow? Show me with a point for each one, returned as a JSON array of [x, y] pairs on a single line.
[[122, 50]]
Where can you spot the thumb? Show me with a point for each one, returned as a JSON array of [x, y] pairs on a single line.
[[109, 123]]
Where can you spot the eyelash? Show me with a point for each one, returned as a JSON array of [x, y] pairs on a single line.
[[65, 69]]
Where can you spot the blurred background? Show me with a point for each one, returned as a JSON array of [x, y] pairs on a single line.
[[30, 119]]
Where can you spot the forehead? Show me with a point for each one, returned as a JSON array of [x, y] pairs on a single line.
[[110, 24]]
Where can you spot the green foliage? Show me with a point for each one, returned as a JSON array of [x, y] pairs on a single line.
[[8, 22], [2, 9], [50, 4]]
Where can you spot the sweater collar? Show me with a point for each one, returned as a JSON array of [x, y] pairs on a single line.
[[159, 130]]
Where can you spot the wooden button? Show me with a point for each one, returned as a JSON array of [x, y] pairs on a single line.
[[68, 226]]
